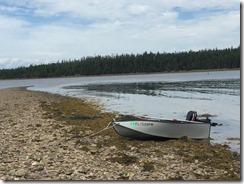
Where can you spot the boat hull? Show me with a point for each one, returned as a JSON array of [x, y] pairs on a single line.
[[141, 129]]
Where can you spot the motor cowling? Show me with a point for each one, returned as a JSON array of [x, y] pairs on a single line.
[[191, 116]]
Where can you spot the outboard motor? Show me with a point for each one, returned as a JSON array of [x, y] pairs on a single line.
[[191, 116]]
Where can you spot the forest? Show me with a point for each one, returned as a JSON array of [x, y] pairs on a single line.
[[146, 62]]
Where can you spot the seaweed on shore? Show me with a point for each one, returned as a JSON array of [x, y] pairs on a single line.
[[215, 156], [207, 115], [87, 118]]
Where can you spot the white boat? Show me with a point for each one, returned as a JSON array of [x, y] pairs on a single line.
[[148, 127]]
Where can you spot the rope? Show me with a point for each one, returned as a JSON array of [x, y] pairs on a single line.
[[106, 128]]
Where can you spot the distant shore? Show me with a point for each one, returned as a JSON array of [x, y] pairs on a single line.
[[152, 73], [182, 71], [138, 73], [47, 137]]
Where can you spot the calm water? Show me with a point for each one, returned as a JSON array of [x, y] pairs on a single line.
[[160, 95]]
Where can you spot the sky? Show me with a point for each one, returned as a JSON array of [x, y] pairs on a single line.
[[46, 31]]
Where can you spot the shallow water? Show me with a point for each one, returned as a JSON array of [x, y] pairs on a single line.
[[169, 95]]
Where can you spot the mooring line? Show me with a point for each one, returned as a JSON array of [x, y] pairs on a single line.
[[106, 128]]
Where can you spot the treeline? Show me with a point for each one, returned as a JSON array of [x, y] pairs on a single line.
[[131, 63]]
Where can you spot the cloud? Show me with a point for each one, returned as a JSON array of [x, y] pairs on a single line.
[[43, 31]]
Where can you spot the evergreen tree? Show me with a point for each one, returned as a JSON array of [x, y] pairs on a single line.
[[131, 63]]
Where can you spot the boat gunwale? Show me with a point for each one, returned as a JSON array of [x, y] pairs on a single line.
[[161, 120]]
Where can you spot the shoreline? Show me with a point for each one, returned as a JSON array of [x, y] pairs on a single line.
[[43, 139], [142, 73]]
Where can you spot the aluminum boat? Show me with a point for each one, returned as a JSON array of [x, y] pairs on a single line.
[[150, 127]]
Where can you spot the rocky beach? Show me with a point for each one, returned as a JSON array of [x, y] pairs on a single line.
[[49, 137]]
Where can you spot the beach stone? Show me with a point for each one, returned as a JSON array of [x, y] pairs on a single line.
[[191, 176], [45, 161], [38, 125], [35, 163], [12, 172], [38, 168], [36, 138], [21, 172], [35, 176], [83, 170], [106, 152], [37, 157], [133, 148], [92, 149], [113, 148], [2, 168], [69, 172]]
